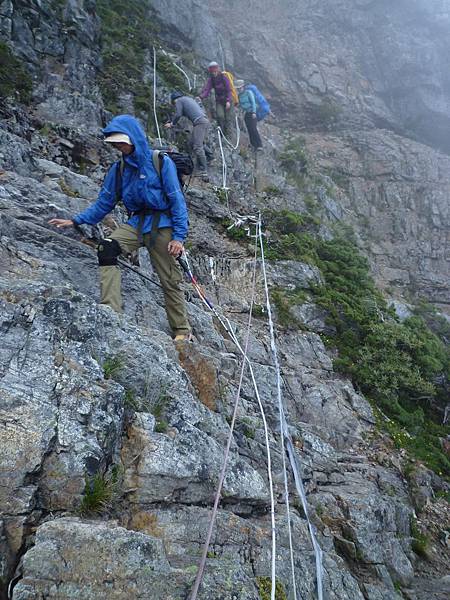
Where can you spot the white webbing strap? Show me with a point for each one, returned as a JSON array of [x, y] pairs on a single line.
[[286, 441]]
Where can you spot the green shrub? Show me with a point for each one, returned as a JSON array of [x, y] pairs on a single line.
[[259, 311], [286, 221], [291, 235], [282, 308], [158, 407], [272, 190], [248, 428], [171, 75], [160, 404], [235, 233], [45, 130], [402, 367], [293, 157], [340, 178], [312, 206], [130, 400], [292, 246], [14, 78], [265, 588], [443, 495], [221, 195], [435, 321]]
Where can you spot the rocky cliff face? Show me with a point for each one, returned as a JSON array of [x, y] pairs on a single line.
[[366, 69], [112, 439]]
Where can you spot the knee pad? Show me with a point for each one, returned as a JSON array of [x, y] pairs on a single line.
[[107, 252]]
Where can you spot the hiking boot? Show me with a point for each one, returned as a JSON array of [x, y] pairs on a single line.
[[183, 337]]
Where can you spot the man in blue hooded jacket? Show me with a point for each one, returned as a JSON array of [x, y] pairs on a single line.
[[158, 219]]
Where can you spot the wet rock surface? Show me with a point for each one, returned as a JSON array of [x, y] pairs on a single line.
[[85, 392]]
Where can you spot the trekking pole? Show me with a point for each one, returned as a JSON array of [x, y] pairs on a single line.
[[138, 271], [92, 243], [185, 266]]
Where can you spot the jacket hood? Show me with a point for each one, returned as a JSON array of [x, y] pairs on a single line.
[[175, 95], [133, 129]]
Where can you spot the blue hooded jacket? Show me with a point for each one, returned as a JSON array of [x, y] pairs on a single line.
[[141, 185], [263, 108]]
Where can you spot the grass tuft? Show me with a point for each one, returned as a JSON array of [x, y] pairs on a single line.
[[112, 366], [420, 542], [100, 492]]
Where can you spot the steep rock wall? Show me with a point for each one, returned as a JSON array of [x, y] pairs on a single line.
[[362, 70], [68, 413]]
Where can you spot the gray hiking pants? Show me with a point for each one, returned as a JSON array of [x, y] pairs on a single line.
[[198, 135]]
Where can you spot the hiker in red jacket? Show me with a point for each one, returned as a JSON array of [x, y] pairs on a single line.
[[218, 82]]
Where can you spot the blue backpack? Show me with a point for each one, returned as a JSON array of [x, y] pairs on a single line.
[[263, 108]]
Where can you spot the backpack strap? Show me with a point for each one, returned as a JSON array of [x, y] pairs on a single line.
[[158, 158], [119, 174]]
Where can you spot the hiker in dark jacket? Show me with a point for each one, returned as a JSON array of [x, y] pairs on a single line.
[[157, 213], [247, 102], [218, 82], [189, 108]]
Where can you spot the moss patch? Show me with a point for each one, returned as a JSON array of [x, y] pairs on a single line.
[[293, 157], [265, 588], [127, 33], [14, 78], [420, 541], [283, 300]]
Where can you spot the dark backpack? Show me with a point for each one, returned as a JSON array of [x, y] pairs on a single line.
[[183, 163]]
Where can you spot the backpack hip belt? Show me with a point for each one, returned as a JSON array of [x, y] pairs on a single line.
[[156, 216]]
